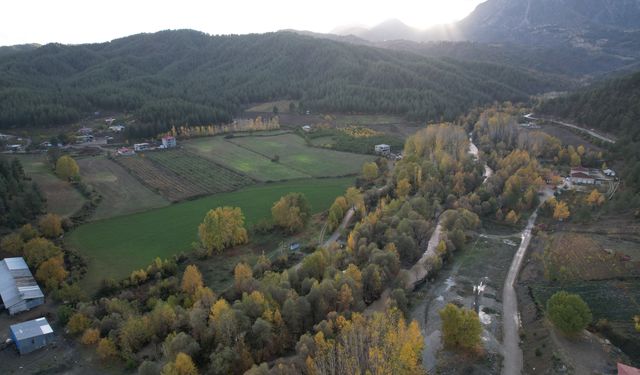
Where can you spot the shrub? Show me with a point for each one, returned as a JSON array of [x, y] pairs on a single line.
[[568, 312]]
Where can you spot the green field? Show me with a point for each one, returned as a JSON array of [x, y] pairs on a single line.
[[114, 247], [294, 153], [121, 193], [232, 156], [62, 198]]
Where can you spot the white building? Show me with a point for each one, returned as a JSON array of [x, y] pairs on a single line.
[[382, 149], [169, 142], [117, 128], [141, 146]]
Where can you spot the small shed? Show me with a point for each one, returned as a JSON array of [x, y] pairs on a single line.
[[31, 335]]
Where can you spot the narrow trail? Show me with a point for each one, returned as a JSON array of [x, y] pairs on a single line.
[[512, 364]]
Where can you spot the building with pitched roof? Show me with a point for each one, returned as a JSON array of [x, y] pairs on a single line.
[[18, 288], [31, 335]]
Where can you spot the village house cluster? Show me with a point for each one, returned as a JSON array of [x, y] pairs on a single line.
[[167, 142]]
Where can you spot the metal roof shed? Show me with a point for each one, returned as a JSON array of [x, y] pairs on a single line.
[[18, 288], [31, 335]]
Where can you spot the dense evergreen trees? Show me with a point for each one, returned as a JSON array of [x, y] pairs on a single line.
[[189, 78], [20, 199]]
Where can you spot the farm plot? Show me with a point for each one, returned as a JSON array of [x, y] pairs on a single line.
[[294, 153], [114, 247], [121, 193], [580, 256], [159, 179], [199, 171], [62, 198], [257, 166]]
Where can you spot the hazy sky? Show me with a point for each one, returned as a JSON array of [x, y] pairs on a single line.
[[82, 21]]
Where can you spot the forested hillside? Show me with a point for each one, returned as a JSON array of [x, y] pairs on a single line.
[[187, 77], [613, 106]]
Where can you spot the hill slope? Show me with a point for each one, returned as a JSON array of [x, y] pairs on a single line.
[[189, 77], [613, 106]]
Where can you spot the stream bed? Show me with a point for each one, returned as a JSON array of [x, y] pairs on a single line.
[[486, 259]]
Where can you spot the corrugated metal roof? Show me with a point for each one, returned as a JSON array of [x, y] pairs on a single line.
[[31, 328], [16, 282], [16, 263]]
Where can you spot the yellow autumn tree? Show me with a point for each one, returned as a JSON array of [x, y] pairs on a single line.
[[51, 226], [191, 280], [106, 349], [242, 277], [67, 168], [90, 336], [561, 211], [51, 272], [512, 217], [221, 228], [403, 188], [370, 171], [291, 212], [183, 365], [595, 198], [382, 344], [223, 320]]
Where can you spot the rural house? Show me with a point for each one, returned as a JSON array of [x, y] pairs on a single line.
[[31, 335], [168, 141], [18, 288], [141, 146], [585, 176]]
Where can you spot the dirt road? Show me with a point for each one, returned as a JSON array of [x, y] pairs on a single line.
[[512, 364], [590, 132]]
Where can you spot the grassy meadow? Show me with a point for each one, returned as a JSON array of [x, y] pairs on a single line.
[[121, 193], [62, 198], [254, 165], [114, 247], [295, 154]]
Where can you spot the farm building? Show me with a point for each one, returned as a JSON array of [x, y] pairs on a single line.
[[169, 141], [382, 149], [117, 128], [18, 288], [31, 335], [141, 146], [585, 176], [125, 151]]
